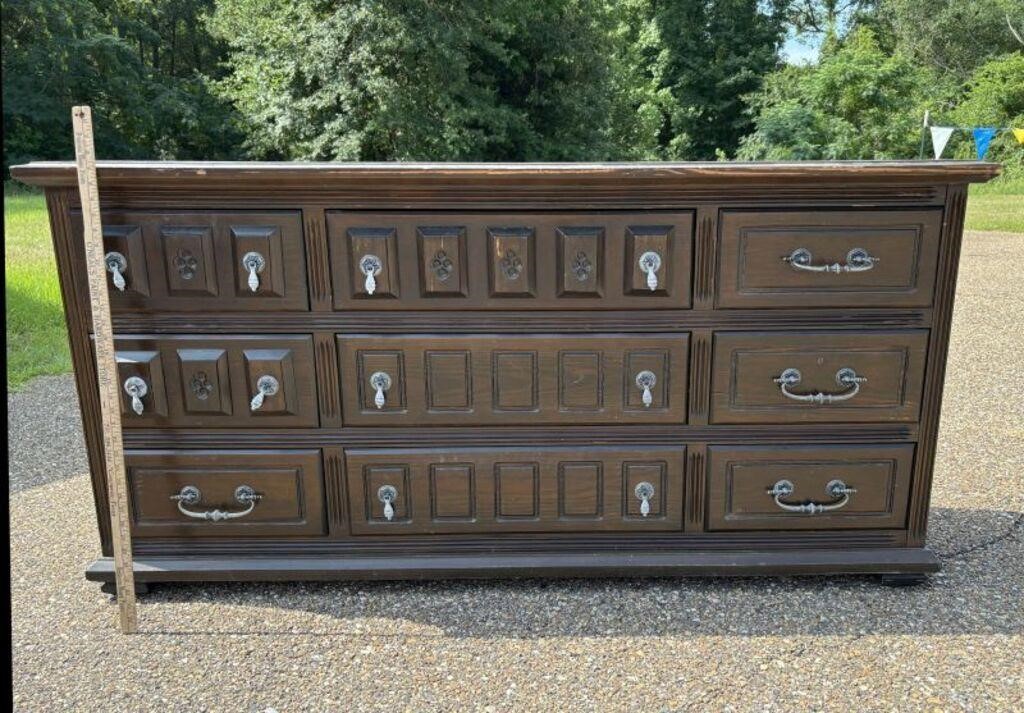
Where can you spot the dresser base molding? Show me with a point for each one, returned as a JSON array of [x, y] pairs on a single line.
[[888, 561]]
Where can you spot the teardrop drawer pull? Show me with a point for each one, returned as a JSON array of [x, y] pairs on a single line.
[[191, 495], [387, 494], [266, 386], [857, 260], [135, 387], [381, 382], [370, 266], [644, 492], [645, 381], [254, 263], [116, 266], [650, 263], [844, 377], [835, 489]]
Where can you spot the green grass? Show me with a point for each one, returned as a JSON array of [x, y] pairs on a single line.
[[36, 336]]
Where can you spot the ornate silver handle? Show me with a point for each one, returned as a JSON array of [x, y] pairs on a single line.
[[381, 382], [646, 380], [844, 377], [835, 489], [135, 387], [116, 266], [857, 260], [387, 494], [644, 492], [254, 263], [370, 266], [266, 386], [190, 495], [650, 263]]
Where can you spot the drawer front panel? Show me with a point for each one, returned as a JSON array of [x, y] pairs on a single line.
[[743, 483], [828, 258], [821, 377], [217, 381], [495, 261], [514, 490], [288, 483], [494, 380], [186, 261]]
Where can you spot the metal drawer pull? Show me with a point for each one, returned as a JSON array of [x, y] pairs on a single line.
[[857, 260], [650, 263], [116, 266], [844, 377], [190, 495], [387, 494], [836, 489], [644, 492], [381, 382], [135, 387], [266, 386], [646, 380], [254, 263], [370, 265]]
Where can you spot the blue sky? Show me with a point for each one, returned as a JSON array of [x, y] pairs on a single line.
[[802, 50]]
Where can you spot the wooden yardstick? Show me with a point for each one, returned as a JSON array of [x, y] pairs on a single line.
[[106, 367]]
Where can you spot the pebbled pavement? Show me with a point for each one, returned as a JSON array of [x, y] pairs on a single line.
[[780, 644]]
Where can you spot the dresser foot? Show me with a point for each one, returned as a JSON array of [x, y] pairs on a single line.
[[904, 580], [111, 588]]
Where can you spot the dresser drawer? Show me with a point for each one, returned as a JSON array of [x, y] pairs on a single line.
[[494, 380], [226, 493], [497, 261], [828, 258], [790, 487], [828, 377], [515, 489], [217, 381], [218, 260]]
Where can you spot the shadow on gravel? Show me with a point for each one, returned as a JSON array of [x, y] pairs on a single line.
[[977, 593]]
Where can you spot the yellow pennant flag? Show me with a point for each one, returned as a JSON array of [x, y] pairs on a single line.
[[1019, 135]]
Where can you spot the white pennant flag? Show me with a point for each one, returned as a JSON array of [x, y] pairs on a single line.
[[940, 137]]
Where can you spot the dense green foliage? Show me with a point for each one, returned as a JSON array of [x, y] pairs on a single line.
[[507, 79]]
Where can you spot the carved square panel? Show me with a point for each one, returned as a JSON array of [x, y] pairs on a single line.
[[205, 381], [517, 491], [259, 247], [274, 368], [515, 381], [452, 492], [649, 246], [189, 260], [580, 261], [449, 377], [511, 262], [147, 366], [580, 381], [443, 265], [633, 474], [369, 247], [126, 241], [580, 490]]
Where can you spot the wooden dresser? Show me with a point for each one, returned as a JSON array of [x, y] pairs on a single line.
[[444, 370]]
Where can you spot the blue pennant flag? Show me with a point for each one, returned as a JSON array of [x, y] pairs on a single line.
[[982, 138]]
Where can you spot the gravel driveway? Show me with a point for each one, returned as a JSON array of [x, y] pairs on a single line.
[[845, 643]]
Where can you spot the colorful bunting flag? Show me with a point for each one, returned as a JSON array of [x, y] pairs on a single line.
[[982, 138], [1019, 135], [940, 137]]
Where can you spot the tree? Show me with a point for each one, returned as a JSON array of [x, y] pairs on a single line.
[[424, 79], [703, 58], [994, 96], [858, 103]]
